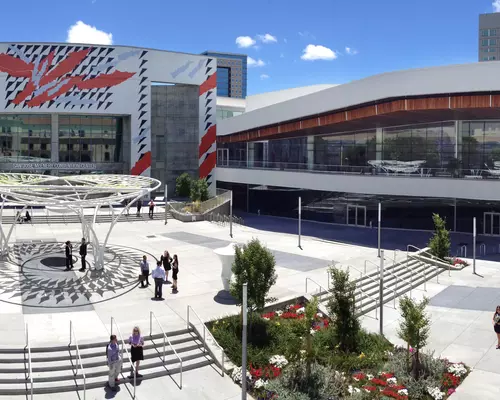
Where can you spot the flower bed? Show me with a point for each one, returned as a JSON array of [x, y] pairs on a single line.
[[458, 262]]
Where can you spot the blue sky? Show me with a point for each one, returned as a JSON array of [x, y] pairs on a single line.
[[383, 35]]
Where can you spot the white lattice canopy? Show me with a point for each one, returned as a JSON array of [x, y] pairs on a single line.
[[73, 191]]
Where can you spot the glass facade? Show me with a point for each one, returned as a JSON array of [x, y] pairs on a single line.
[[25, 137], [90, 138], [223, 82], [223, 113], [231, 68]]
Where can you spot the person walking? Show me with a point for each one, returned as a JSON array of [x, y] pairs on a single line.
[[139, 206], [114, 362], [496, 325], [167, 264], [136, 342], [83, 254], [175, 271], [151, 208], [159, 276], [144, 272], [69, 256]]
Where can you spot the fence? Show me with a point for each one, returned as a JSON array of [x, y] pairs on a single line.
[[222, 196]]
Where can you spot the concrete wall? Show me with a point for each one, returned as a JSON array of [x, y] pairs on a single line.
[[474, 189], [175, 132]]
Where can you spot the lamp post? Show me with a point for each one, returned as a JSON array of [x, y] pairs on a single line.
[[244, 345], [300, 221], [165, 199], [231, 215], [379, 219], [381, 292], [474, 245]]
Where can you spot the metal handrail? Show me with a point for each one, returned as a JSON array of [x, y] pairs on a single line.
[[378, 270], [113, 322], [165, 338], [189, 324], [396, 251], [30, 369], [321, 287], [71, 336], [431, 257]]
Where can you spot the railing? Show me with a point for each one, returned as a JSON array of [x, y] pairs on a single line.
[[408, 282], [378, 282], [396, 251], [222, 196], [165, 339], [113, 322], [190, 324], [322, 289], [391, 168], [79, 358], [30, 368], [376, 300], [422, 252]]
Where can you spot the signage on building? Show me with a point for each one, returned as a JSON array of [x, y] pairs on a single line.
[[54, 166]]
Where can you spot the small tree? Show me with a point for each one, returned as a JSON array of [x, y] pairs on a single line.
[[253, 264], [183, 185], [199, 190], [414, 329], [310, 313], [342, 308], [440, 243]]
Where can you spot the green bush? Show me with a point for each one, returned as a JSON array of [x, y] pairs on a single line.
[[440, 243], [253, 264], [199, 190], [183, 185]]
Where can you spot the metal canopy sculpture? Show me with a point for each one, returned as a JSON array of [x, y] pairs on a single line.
[[73, 194]]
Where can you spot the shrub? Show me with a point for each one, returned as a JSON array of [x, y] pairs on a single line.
[[183, 185], [199, 190], [342, 309], [253, 264], [414, 329], [440, 243]]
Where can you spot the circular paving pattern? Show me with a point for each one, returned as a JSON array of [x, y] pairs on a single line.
[[33, 275]]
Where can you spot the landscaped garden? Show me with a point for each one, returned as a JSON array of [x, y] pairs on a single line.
[[297, 352]]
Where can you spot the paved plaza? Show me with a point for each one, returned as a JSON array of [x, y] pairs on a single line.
[[47, 298]]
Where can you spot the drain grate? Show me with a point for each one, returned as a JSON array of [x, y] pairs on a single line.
[[151, 236]]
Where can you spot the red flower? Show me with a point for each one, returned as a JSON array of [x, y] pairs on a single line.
[[379, 382], [255, 372], [359, 376], [370, 388], [450, 381], [393, 394], [387, 375], [269, 315]]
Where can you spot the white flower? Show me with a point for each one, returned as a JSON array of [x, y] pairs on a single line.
[[319, 315], [266, 318], [356, 390], [403, 392], [278, 361], [392, 381], [369, 377], [350, 389], [236, 375], [312, 331], [259, 383], [435, 393], [301, 310], [279, 313], [457, 370]]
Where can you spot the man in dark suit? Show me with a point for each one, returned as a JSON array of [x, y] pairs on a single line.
[[69, 256], [83, 254]]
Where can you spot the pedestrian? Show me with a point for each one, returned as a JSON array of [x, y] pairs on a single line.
[[159, 276], [139, 206], [27, 218], [69, 256], [83, 254], [125, 204], [136, 342], [151, 208], [144, 272], [114, 362], [175, 271], [167, 264], [496, 325]]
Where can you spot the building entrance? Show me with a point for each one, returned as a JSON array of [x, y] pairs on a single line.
[[356, 215]]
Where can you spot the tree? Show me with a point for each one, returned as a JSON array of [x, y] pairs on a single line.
[[253, 264], [199, 190], [414, 329], [342, 308], [183, 185], [440, 243]]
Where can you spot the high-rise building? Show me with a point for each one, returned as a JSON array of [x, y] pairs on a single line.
[[489, 40], [231, 74]]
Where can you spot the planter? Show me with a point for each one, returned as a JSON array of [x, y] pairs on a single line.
[[226, 256]]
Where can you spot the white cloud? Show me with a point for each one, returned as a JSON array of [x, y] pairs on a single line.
[[351, 51], [245, 41], [496, 5], [317, 52], [83, 33], [267, 38], [264, 76], [255, 63]]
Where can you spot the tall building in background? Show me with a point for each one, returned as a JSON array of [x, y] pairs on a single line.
[[489, 32]]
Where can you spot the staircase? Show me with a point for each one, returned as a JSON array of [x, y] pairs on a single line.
[[400, 278], [53, 367], [75, 219]]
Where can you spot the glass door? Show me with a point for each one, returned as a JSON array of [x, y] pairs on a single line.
[[223, 157], [491, 223], [356, 215]]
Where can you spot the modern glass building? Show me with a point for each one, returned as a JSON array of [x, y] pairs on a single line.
[[419, 141], [231, 74]]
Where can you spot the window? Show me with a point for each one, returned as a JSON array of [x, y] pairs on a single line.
[[484, 32], [484, 42], [493, 32], [493, 42]]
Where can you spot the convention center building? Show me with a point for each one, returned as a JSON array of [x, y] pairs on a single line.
[[419, 141], [73, 109]]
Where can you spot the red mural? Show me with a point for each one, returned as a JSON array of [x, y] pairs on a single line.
[[47, 81]]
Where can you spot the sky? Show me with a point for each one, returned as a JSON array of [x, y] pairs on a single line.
[[289, 43]]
